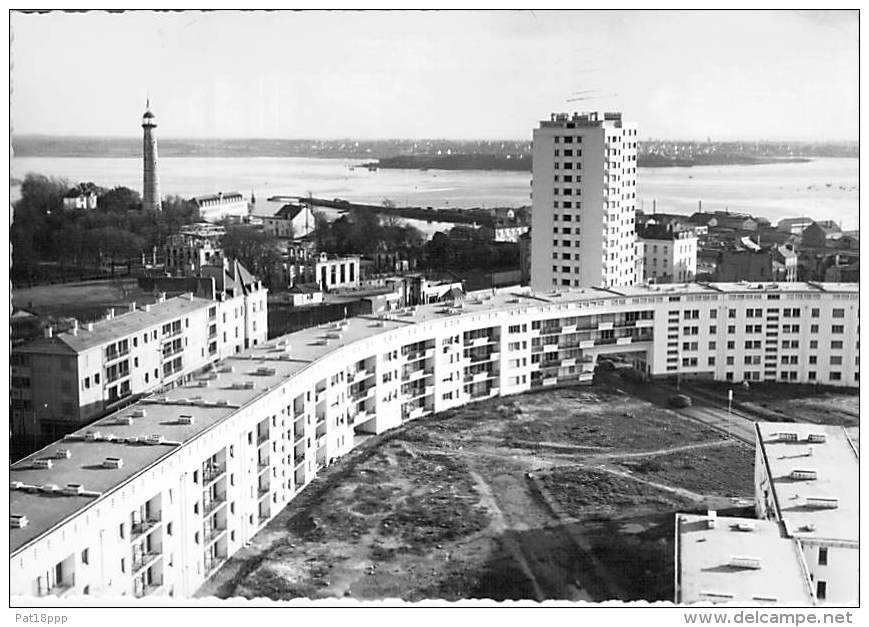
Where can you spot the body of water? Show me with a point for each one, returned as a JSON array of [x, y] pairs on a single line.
[[824, 189]]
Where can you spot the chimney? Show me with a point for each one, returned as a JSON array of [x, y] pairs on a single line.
[[110, 313], [74, 329], [49, 331], [90, 326], [161, 297], [133, 306], [147, 308]]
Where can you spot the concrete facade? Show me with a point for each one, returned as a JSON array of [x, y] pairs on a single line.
[[584, 202], [669, 254], [153, 499], [216, 207], [62, 381]]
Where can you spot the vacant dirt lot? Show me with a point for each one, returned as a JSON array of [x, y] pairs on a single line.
[[567, 494]]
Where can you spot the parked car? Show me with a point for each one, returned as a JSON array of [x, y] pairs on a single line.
[[679, 400]]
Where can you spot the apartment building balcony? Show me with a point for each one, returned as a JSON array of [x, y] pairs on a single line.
[[550, 348], [262, 464], [154, 588], [419, 354], [213, 563], [321, 441], [550, 381], [644, 323], [604, 326], [262, 438], [586, 343], [479, 341], [143, 527], [623, 340], [478, 377], [571, 361], [298, 460], [142, 561], [413, 375], [262, 491], [116, 376], [113, 355], [210, 506], [212, 472], [320, 396], [214, 534], [361, 375]]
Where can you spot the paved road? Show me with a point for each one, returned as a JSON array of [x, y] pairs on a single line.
[[705, 409]]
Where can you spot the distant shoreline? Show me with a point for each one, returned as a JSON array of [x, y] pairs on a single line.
[[523, 164]]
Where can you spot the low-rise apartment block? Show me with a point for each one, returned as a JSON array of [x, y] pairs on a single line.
[[155, 497], [64, 380]]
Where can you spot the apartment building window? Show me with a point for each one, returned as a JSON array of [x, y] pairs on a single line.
[[731, 344], [813, 359], [710, 361], [729, 360], [713, 329], [121, 530], [822, 556], [838, 313], [712, 346], [731, 329], [731, 313], [812, 375], [835, 360], [816, 313], [85, 556], [838, 328], [822, 590], [169, 528], [835, 376], [813, 328], [123, 565]]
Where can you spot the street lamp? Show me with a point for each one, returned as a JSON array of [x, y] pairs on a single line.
[[729, 407]]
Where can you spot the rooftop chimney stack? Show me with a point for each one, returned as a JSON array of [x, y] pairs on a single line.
[[49, 331]]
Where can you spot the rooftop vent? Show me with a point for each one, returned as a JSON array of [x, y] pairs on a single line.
[[43, 463], [16, 485], [228, 369], [93, 436], [265, 371], [203, 384], [752, 563], [138, 413], [808, 527], [155, 439], [73, 489], [48, 488], [822, 502], [788, 436], [18, 521], [745, 526], [185, 419], [817, 438], [222, 401], [804, 475], [63, 453], [711, 519], [113, 462], [125, 420]]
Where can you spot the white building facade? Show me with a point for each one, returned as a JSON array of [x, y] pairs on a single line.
[[186, 477], [65, 380], [669, 255], [584, 202]]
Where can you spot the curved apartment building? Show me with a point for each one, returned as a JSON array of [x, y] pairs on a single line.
[[154, 498]]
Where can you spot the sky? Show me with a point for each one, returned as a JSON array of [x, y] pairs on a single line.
[[752, 75]]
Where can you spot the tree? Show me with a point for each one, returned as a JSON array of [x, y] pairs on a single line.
[[41, 193], [119, 199], [257, 250]]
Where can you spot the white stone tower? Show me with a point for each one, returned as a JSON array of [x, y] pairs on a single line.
[[151, 183]]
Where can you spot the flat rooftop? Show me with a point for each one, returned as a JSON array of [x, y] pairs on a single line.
[[717, 565], [213, 397], [837, 466], [124, 323]]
